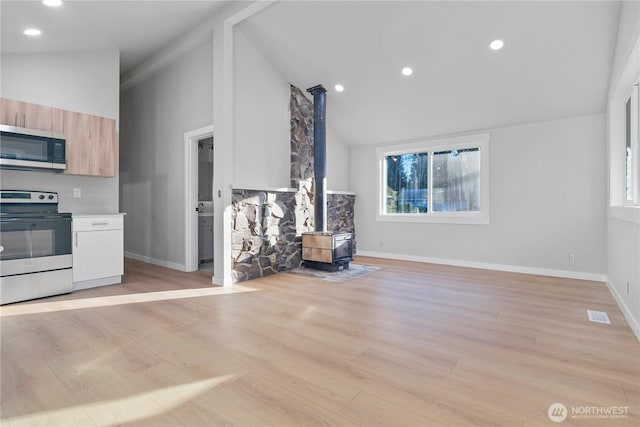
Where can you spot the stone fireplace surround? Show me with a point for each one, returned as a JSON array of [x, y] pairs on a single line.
[[266, 236], [267, 224]]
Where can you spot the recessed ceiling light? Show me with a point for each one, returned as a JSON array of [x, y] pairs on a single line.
[[339, 88], [32, 32], [407, 71], [52, 2], [496, 44]]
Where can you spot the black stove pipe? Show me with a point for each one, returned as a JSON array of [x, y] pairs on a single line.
[[320, 155]]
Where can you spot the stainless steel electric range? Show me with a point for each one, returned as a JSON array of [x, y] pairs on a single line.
[[35, 246]]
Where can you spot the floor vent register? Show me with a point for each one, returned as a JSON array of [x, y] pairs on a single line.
[[598, 316]]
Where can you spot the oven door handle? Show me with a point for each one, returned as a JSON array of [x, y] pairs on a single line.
[[35, 218]]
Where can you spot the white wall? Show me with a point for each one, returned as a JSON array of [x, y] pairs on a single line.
[[155, 115], [262, 146], [623, 244], [624, 267], [338, 162], [547, 201], [86, 82], [628, 31], [262, 141]]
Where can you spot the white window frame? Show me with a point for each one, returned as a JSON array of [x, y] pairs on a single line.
[[629, 76], [480, 141]]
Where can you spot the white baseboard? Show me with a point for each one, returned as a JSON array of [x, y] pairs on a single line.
[[632, 321], [104, 281], [168, 264], [489, 266], [160, 262]]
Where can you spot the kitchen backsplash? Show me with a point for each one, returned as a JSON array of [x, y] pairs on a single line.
[[97, 195]]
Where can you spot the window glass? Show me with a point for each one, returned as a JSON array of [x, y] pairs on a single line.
[[628, 153], [456, 180], [407, 183]]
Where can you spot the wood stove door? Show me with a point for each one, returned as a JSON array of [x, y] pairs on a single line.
[[343, 248]]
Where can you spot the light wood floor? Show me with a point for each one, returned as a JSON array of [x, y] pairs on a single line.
[[411, 344]]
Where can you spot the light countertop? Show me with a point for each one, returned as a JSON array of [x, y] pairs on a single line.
[[97, 215]]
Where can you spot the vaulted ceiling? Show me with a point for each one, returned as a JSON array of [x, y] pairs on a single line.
[[136, 28], [555, 63]]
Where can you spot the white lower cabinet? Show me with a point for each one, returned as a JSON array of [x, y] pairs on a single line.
[[98, 250], [205, 239]]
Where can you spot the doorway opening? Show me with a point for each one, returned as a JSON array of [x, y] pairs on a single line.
[[205, 204], [199, 155]]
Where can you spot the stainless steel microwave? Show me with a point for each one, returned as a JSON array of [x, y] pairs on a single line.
[[31, 149]]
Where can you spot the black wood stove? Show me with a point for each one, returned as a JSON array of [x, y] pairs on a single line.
[[322, 249]]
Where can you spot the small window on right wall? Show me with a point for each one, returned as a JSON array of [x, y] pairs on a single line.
[[632, 149]]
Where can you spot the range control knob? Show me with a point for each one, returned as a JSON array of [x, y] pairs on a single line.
[[50, 196], [41, 196]]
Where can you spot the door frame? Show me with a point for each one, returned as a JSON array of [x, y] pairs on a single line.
[[191, 139]]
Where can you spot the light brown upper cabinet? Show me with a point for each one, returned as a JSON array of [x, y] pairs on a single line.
[[91, 144], [77, 132], [12, 113], [103, 146], [44, 118], [31, 116], [92, 141]]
